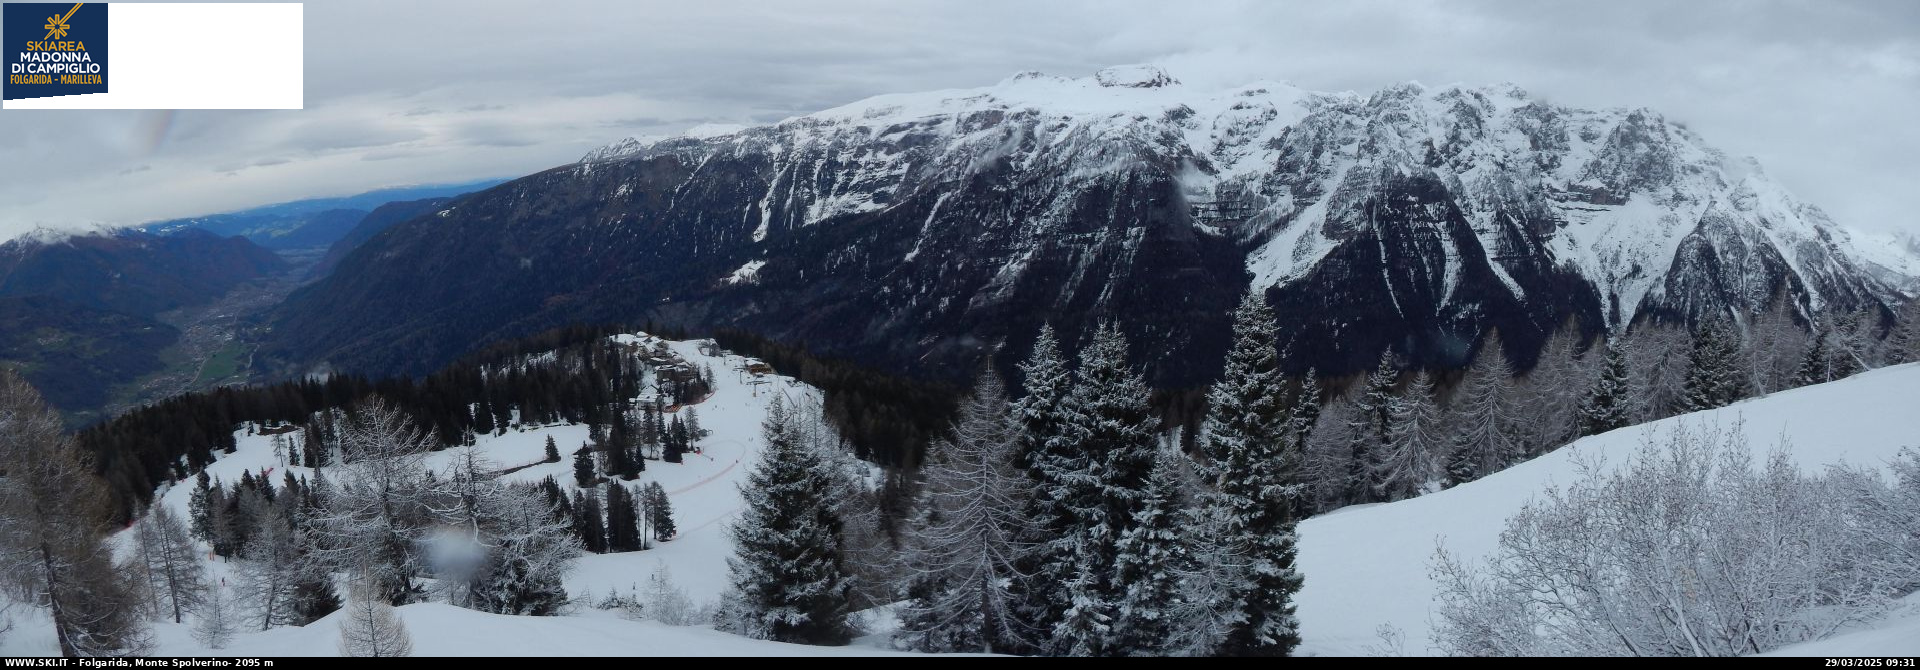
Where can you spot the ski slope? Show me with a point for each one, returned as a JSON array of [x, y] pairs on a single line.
[[705, 496], [1366, 566]]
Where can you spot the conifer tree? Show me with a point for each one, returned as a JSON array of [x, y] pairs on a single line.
[[1304, 412], [553, 451], [172, 562], [52, 537], [1606, 407], [659, 512], [313, 595], [1485, 431], [1554, 388], [623, 521], [199, 515], [967, 538], [1042, 451], [1252, 449], [1108, 418], [583, 474], [1369, 431], [371, 628], [1903, 340], [1713, 376], [214, 626], [1415, 451], [1816, 365], [619, 451], [677, 440], [589, 523], [694, 431], [1152, 559], [788, 580]]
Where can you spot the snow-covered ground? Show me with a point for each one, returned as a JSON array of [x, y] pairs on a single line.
[[1366, 566], [705, 497], [439, 629]]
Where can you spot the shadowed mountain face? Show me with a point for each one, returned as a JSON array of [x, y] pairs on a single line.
[[917, 232], [381, 218], [77, 315]]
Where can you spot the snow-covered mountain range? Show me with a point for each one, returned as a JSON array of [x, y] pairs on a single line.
[[924, 228]]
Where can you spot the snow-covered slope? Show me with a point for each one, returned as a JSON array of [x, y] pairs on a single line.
[[444, 630], [1615, 194], [704, 493], [1366, 566]]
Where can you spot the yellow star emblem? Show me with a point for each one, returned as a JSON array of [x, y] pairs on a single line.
[[57, 25]]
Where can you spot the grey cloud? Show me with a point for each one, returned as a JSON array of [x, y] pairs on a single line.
[[1820, 91], [332, 135]]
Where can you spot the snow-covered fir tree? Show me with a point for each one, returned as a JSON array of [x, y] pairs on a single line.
[[968, 535], [1485, 424], [788, 581], [1152, 559], [525, 549], [1252, 448], [199, 510], [1108, 418], [1416, 450], [1606, 407], [1714, 376], [1820, 363], [1043, 452]]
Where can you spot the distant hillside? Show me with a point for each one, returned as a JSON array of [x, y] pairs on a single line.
[[380, 219], [77, 315], [312, 223]]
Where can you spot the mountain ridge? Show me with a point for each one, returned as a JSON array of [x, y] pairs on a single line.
[[1410, 218]]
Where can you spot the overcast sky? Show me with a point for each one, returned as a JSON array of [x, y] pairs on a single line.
[[1823, 92]]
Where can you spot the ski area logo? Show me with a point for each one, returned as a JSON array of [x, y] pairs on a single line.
[[54, 49]]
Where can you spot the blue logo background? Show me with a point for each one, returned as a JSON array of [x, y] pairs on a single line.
[[26, 22]]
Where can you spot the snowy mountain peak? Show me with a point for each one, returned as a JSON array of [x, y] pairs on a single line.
[[1135, 76], [1408, 217]]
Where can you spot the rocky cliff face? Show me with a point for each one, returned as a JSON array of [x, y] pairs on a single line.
[[917, 231]]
